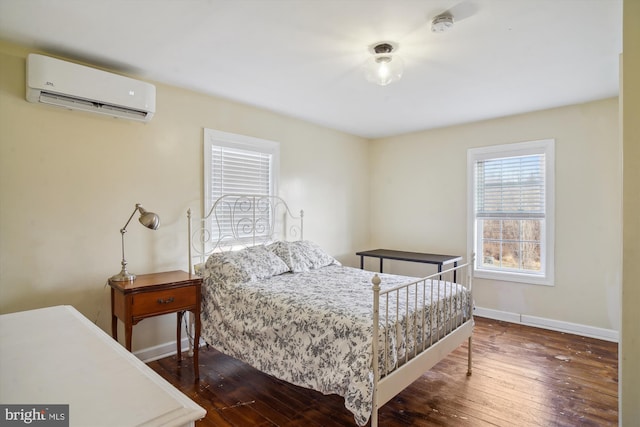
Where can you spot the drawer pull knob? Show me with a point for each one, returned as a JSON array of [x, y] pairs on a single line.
[[165, 301]]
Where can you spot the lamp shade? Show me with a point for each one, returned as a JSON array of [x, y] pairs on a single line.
[[149, 219], [383, 67]]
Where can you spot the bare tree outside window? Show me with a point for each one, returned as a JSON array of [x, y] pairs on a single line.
[[513, 244]]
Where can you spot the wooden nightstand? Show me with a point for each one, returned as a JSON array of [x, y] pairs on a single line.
[[155, 294]]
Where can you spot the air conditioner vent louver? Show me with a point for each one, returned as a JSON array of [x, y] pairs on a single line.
[[75, 103], [93, 107], [76, 87]]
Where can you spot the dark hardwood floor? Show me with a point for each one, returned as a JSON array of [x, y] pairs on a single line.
[[522, 376]]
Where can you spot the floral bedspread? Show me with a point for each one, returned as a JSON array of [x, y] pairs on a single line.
[[313, 328]]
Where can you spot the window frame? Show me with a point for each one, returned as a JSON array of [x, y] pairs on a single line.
[[545, 147], [230, 140]]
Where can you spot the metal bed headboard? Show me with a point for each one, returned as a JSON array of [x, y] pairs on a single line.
[[241, 220]]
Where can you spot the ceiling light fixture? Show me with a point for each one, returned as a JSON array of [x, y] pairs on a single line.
[[384, 66]]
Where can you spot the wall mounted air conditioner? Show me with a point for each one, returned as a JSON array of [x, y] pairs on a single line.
[[76, 87]]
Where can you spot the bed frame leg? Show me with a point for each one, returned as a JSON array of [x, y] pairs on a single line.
[[469, 357]]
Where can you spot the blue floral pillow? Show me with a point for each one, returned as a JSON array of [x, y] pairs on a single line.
[[249, 264], [302, 255]]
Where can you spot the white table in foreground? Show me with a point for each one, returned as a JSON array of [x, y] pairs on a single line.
[[56, 355]]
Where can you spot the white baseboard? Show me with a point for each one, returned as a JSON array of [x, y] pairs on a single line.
[[160, 351], [496, 315], [167, 349], [554, 325]]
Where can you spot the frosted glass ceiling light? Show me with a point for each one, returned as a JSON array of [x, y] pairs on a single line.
[[383, 67]]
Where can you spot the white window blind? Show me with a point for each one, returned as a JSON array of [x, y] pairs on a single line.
[[238, 164], [238, 171], [511, 187]]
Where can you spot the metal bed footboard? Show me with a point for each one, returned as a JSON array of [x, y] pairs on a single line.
[[415, 326]]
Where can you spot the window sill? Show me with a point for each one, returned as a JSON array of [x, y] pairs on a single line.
[[513, 277]]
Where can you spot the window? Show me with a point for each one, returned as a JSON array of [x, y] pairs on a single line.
[[237, 164], [511, 195]]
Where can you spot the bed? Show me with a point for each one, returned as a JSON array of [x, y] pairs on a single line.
[[283, 305]]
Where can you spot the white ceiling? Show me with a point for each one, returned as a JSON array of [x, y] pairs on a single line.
[[304, 58]]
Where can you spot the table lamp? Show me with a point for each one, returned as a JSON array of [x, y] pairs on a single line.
[[149, 220]]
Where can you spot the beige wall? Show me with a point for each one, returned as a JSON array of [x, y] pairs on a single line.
[[419, 203], [630, 342], [69, 181]]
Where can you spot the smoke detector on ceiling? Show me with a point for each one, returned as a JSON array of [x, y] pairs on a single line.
[[441, 23]]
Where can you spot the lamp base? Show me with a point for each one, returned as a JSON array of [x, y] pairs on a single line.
[[123, 276]]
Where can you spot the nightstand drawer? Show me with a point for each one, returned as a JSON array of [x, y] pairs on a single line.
[[163, 301]]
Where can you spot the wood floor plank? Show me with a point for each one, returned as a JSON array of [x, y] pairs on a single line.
[[522, 376]]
